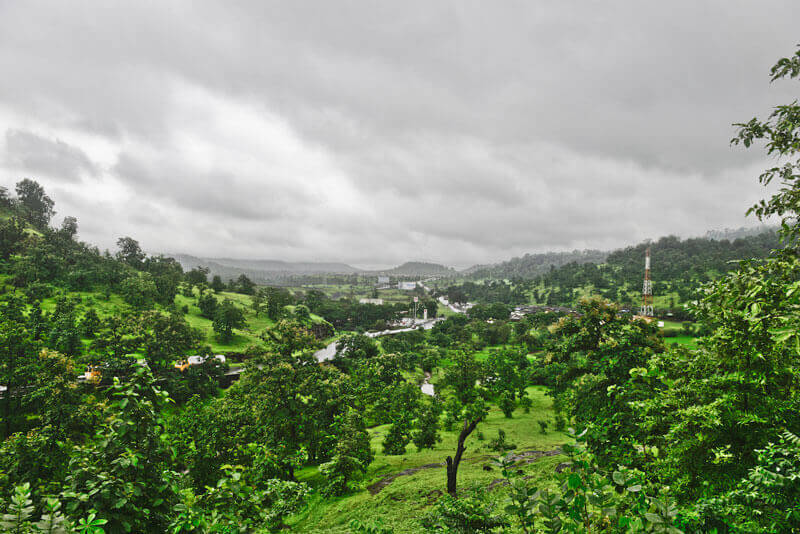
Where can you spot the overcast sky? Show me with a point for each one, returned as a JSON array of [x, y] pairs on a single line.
[[379, 132]]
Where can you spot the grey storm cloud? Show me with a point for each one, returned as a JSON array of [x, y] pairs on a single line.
[[377, 132], [53, 157]]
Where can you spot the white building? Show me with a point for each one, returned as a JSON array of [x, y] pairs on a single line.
[[370, 301], [406, 286], [383, 279]]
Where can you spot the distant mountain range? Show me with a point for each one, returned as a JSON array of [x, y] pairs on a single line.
[[527, 266], [266, 271]]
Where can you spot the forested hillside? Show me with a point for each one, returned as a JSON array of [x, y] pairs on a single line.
[[533, 265], [678, 267], [419, 268]]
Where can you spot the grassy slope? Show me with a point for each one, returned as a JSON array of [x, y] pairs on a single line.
[[241, 340], [401, 504]]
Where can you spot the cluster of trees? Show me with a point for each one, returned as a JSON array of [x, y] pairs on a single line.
[[672, 439], [349, 314], [679, 267], [488, 292], [530, 266]]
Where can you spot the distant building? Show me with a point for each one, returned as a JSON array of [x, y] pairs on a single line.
[[370, 301], [383, 279], [406, 286]]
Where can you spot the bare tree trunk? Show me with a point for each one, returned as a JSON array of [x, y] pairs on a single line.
[[452, 463]]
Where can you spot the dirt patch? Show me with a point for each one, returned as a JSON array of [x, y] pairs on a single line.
[[375, 488], [528, 457], [525, 457]]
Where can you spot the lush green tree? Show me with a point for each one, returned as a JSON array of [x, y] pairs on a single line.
[[243, 285], [197, 276], [427, 435], [164, 338], [302, 313], [351, 456], [507, 404], [12, 234], [130, 252], [17, 351], [90, 323], [217, 284], [167, 275], [354, 348], [590, 360], [464, 379], [237, 504], [5, 199], [404, 408], [34, 203], [274, 405], [207, 303], [257, 302], [227, 317], [588, 499], [124, 474], [139, 290], [767, 499], [288, 337], [277, 299]]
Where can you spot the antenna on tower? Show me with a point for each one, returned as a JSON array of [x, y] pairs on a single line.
[[647, 288]]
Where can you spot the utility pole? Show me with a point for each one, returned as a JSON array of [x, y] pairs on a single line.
[[647, 288]]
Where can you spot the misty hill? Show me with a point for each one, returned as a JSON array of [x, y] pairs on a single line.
[[261, 271], [285, 266], [277, 271], [419, 268], [733, 234], [533, 265], [678, 267]]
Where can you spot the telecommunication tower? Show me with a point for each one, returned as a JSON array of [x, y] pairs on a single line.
[[647, 288]]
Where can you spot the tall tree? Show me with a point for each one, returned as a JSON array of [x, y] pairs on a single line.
[[464, 378], [227, 317], [34, 203], [130, 252]]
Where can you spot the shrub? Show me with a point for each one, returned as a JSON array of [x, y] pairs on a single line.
[[543, 427]]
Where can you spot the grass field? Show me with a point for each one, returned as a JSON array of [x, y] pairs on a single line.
[[687, 341], [402, 503], [242, 338]]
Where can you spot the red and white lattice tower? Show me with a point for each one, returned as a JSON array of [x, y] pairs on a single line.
[[647, 288]]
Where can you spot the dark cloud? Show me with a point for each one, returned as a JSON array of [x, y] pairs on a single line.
[[377, 132], [31, 153]]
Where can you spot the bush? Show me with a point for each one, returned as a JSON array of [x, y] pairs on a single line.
[[499, 443], [507, 404], [543, 427], [470, 514], [398, 437], [526, 403], [561, 422], [38, 291]]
